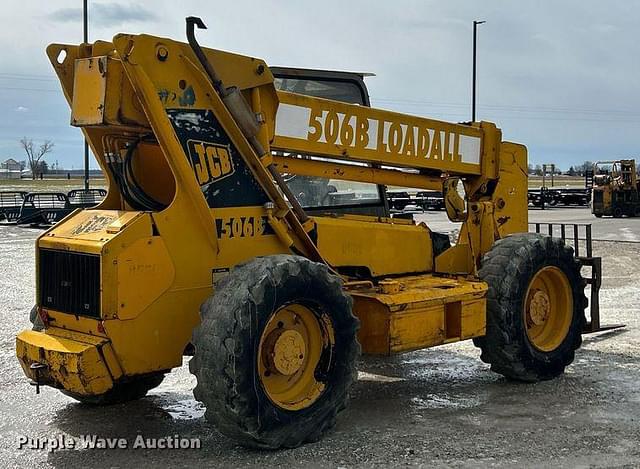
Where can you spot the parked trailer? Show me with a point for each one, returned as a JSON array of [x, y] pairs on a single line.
[[540, 197], [10, 203], [45, 208], [559, 196], [398, 200], [431, 200], [572, 196], [86, 198], [424, 200]]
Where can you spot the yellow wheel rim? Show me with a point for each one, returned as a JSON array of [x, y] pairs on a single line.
[[292, 346], [548, 308]]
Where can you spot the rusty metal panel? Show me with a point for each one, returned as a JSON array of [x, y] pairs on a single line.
[[416, 328], [77, 366], [473, 319], [411, 313], [89, 91], [103, 95]]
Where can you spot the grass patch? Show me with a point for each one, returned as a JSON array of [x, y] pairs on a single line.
[[48, 185]]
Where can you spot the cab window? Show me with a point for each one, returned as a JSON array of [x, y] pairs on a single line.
[[345, 91], [313, 192]]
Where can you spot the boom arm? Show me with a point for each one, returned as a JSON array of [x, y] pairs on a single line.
[[347, 131], [208, 151]]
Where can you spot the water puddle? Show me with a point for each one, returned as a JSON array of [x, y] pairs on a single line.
[[186, 409], [444, 401]]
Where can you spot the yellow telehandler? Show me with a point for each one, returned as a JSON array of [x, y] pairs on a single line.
[[616, 189], [247, 224]]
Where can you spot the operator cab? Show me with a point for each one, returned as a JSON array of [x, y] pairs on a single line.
[[319, 195]]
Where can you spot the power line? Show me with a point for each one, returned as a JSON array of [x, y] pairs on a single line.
[[27, 76], [25, 79], [507, 107], [27, 89], [412, 102], [513, 112], [502, 117]]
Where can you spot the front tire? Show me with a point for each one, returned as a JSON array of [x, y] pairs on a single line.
[[535, 307], [275, 352]]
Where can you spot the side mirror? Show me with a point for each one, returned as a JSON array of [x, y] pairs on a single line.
[[455, 196]]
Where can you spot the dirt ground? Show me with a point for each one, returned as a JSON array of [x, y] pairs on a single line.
[[558, 181], [438, 407]]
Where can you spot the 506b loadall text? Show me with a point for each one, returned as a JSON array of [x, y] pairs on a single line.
[[246, 224]]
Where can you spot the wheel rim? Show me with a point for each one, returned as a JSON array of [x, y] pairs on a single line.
[[295, 348], [548, 308]]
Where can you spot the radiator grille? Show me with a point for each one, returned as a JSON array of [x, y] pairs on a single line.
[[70, 282], [597, 196]]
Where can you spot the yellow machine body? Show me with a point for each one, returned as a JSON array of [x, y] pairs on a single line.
[[119, 287], [616, 191]]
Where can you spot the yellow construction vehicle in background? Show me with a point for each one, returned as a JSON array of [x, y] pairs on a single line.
[[257, 197], [616, 189]]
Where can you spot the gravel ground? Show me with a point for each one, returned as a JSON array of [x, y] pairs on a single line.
[[607, 228], [437, 407]]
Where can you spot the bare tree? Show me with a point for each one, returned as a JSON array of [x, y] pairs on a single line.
[[34, 155], [586, 166]]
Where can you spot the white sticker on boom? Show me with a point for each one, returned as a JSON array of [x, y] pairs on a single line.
[[470, 149], [292, 121], [406, 140]]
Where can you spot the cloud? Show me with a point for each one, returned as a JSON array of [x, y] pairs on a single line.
[[107, 14], [22, 109], [544, 72], [605, 28]]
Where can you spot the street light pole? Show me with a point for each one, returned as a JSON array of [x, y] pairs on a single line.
[[473, 92], [85, 27]]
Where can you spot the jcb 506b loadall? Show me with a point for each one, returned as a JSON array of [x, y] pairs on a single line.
[[246, 224]]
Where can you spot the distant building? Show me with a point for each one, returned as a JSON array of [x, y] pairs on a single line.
[[10, 169], [11, 165]]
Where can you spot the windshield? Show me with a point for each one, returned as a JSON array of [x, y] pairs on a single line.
[[345, 91], [605, 168], [317, 192]]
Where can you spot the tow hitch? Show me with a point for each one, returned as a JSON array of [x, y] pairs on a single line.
[[37, 367]]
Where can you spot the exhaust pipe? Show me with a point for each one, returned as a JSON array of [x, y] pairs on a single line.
[[242, 113]]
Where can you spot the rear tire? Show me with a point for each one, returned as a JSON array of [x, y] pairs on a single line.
[[132, 389], [255, 394], [535, 307], [617, 212]]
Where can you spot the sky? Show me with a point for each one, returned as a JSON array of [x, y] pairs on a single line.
[[559, 76]]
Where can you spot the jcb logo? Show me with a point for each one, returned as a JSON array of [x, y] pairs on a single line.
[[211, 162]]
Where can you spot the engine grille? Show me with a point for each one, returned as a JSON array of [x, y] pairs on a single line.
[[597, 196], [70, 282]]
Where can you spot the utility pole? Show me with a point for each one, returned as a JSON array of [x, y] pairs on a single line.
[[85, 27], [473, 92]]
